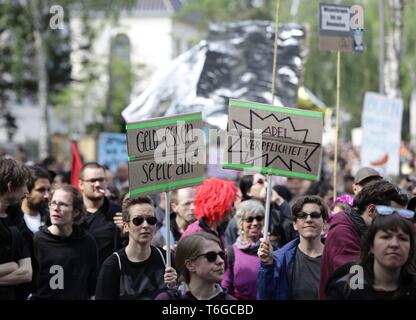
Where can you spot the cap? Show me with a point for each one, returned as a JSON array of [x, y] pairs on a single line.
[[365, 173]]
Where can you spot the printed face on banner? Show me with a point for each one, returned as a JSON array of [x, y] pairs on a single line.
[[165, 154], [287, 141]]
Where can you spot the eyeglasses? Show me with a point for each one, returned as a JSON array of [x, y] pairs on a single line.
[[137, 221], [92, 181], [386, 210], [211, 256], [251, 219], [55, 204], [313, 215]]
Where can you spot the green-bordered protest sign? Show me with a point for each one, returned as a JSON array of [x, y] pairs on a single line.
[[276, 140], [165, 153]]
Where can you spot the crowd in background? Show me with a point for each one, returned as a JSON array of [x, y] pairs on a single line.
[[94, 241]]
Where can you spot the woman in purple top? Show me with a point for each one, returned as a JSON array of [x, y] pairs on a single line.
[[243, 262]]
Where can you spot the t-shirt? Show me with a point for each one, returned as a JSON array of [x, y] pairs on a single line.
[[33, 222], [142, 280], [12, 249], [306, 273]]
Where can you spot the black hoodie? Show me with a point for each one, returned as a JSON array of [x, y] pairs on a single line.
[[75, 257], [101, 226]]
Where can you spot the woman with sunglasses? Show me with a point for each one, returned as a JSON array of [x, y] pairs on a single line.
[[386, 269], [292, 272], [281, 230], [67, 256], [243, 263], [201, 262], [137, 271]]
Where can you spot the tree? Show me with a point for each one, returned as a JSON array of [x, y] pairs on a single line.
[[394, 50]]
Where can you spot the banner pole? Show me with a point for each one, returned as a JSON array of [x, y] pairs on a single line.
[[267, 214], [337, 124], [276, 38], [269, 176], [167, 220]]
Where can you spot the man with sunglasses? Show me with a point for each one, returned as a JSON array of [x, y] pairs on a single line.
[[348, 229], [100, 211], [292, 272], [137, 271]]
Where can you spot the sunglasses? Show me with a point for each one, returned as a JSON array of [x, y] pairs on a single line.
[[313, 215], [137, 221], [211, 256], [386, 210], [260, 181], [251, 219]]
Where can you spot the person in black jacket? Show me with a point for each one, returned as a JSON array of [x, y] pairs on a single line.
[[385, 270], [15, 266], [65, 253], [30, 216], [99, 220]]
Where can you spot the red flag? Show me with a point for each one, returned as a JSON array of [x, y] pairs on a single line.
[[76, 164]]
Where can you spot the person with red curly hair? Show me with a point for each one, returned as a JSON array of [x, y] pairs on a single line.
[[213, 202]]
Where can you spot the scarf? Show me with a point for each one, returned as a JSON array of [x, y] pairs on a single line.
[[246, 246]]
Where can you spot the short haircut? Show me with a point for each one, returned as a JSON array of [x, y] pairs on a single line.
[[131, 202], [38, 172], [300, 202], [174, 195], [248, 207], [90, 165], [245, 184], [379, 192], [13, 173], [189, 247], [77, 201]]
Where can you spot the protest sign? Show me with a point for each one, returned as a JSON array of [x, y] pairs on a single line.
[[276, 140], [381, 123], [165, 153], [341, 28], [112, 149]]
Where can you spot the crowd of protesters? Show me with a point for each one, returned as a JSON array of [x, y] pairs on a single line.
[[94, 241]]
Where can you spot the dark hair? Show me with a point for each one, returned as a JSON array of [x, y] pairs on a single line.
[[38, 172], [131, 202], [300, 202], [13, 173], [379, 192], [283, 191], [90, 165], [392, 222], [77, 201], [189, 247], [245, 184]]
